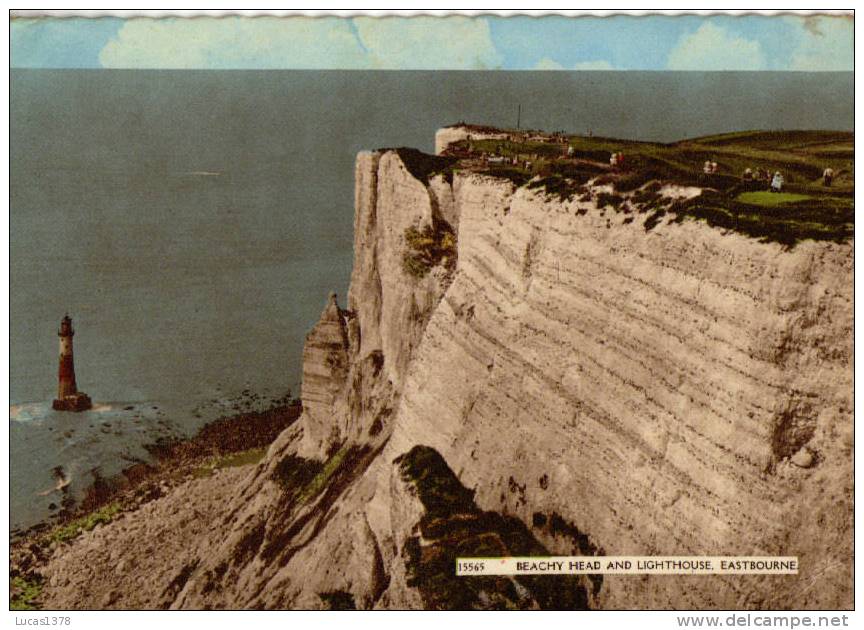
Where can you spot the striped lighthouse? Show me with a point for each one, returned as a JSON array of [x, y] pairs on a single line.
[[68, 396]]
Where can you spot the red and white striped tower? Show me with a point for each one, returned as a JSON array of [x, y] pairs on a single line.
[[67, 385], [68, 396]]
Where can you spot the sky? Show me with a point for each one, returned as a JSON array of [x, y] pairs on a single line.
[[688, 42]]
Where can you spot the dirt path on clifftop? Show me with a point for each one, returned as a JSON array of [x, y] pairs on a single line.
[[131, 562]]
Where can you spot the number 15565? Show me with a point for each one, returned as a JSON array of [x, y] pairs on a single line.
[[463, 568]]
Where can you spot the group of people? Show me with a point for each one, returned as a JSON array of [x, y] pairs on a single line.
[[710, 168], [499, 159], [616, 159], [775, 182]]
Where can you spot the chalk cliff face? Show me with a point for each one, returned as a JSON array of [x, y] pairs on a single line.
[[675, 391]]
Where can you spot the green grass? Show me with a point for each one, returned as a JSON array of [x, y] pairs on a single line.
[[784, 139], [804, 210], [303, 479], [23, 593], [769, 199], [319, 481], [800, 155], [231, 460], [75, 528], [521, 150], [825, 219], [295, 473]]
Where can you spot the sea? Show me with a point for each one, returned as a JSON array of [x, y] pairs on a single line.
[[193, 223]]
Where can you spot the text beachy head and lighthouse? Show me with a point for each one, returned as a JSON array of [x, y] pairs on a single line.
[[68, 396]]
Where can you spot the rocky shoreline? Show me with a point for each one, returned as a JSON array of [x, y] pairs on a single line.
[[228, 442]]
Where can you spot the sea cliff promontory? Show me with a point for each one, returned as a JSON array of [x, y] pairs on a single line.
[[542, 353]]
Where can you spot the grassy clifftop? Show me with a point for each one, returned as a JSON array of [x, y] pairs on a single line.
[[807, 209]]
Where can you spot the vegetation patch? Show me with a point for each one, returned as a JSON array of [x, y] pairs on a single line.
[[24, 593], [636, 179], [438, 488], [579, 172], [423, 166], [295, 473], [319, 481], [428, 248], [304, 479], [453, 526], [337, 600], [557, 186], [231, 460], [515, 148], [609, 199], [649, 196], [806, 209], [823, 219], [564, 180], [75, 528], [516, 176], [769, 199], [375, 427], [653, 219], [556, 525]]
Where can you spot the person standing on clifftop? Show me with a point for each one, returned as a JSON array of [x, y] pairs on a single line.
[[777, 182]]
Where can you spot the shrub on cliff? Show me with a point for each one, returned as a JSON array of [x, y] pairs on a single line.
[[557, 186], [438, 488], [515, 175], [424, 166], [295, 473], [820, 219], [609, 199], [428, 248]]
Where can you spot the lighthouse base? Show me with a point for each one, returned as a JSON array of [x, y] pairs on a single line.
[[75, 402]]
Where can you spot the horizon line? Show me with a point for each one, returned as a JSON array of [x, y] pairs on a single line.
[[553, 70]]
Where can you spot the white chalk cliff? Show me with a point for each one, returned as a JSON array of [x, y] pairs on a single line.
[[678, 391]]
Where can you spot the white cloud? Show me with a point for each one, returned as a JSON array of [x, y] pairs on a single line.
[[599, 64], [826, 44], [428, 43], [233, 43], [548, 64], [319, 43], [713, 48]]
